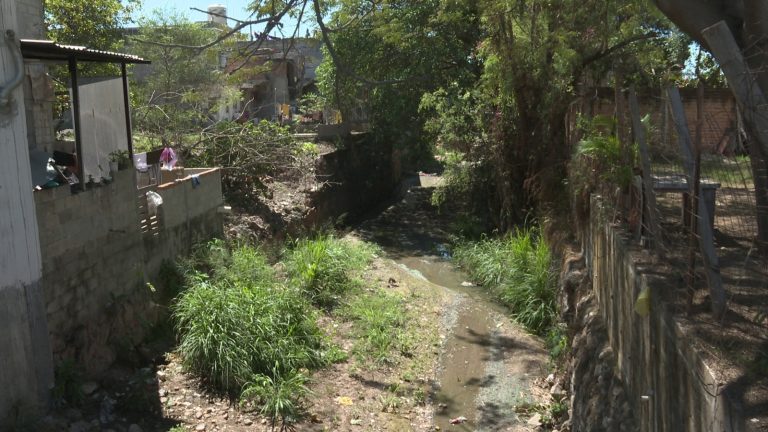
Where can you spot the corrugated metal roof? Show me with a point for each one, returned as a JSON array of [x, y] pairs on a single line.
[[50, 50]]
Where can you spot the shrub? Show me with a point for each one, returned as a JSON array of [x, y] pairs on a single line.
[[241, 323], [517, 269]]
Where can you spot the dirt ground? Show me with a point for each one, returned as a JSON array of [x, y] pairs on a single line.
[[734, 347]]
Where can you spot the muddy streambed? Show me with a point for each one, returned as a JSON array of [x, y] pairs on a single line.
[[487, 364]]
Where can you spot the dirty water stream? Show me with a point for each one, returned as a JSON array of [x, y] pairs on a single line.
[[487, 364]]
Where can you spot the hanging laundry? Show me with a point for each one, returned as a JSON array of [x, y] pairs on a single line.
[[168, 157]]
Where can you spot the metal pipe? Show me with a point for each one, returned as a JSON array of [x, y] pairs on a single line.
[[5, 91], [127, 107], [77, 121]]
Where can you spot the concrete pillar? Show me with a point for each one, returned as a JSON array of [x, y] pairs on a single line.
[[26, 371]]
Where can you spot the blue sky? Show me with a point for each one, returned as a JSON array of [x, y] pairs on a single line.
[[235, 9]]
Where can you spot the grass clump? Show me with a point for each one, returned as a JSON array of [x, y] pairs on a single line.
[[251, 331], [325, 268], [380, 326], [239, 323], [517, 269]]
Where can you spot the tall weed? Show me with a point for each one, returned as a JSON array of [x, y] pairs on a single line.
[[517, 269], [241, 322], [325, 268]]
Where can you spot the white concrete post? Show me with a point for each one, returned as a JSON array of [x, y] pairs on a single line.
[[25, 357]]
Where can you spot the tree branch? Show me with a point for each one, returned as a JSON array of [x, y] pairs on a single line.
[[619, 46]]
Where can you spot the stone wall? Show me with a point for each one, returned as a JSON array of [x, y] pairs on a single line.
[[668, 386], [358, 178], [97, 261]]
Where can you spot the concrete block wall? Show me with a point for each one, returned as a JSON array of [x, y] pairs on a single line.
[[189, 215], [665, 377], [96, 261], [93, 268], [30, 16], [357, 178]]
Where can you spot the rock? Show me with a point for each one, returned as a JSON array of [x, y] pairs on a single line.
[[107, 410], [201, 427], [73, 414], [80, 426], [550, 379], [557, 392], [162, 392], [88, 388], [247, 422], [356, 422], [606, 353], [535, 420], [198, 413], [134, 428]]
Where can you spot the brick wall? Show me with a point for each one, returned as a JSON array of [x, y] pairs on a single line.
[[96, 261], [719, 114]]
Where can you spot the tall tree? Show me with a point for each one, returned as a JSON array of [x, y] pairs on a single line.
[[389, 53], [93, 23], [535, 55], [175, 97]]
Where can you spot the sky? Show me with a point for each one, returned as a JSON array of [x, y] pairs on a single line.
[[235, 9]]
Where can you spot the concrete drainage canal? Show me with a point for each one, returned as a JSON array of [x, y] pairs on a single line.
[[487, 365]]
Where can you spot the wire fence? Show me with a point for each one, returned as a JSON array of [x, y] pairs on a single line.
[[692, 198]]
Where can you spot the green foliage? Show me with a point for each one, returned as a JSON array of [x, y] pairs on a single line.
[[278, 394], [245, 331], [247, 151], [599, 159], [325, 268], [174, 99], [241, 323], [395, 52], [508, 123], [68, 381], [380, 326], [517, 269], [94, 23], [557, 342]]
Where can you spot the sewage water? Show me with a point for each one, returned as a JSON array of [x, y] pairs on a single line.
[[467, 347], [487, 364]]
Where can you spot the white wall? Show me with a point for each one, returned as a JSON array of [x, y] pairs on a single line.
[[25, 358], [103, 128]]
